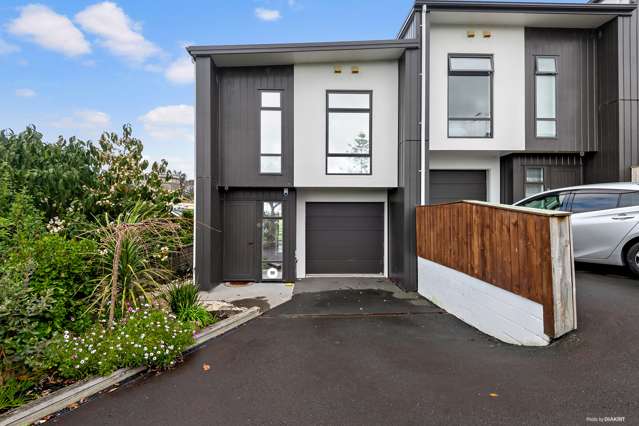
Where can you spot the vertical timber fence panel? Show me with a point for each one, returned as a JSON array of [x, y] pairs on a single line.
[[468, 248]]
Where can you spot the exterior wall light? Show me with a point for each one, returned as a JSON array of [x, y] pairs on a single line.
[[337, 69], [354, 70], [486, 34], [470, 34]]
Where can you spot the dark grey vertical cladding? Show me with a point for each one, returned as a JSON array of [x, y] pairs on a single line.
[[289, 203], [628, 36], [576, 88], [240, 124], [560, 170], [506, 179], [604, 165], [409, 31], [208, 216], [402, 200]]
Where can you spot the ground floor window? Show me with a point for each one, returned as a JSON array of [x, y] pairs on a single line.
[[534, 180], [272, 240]]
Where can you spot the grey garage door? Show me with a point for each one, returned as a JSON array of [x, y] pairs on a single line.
[[344, 238], [455, 185]]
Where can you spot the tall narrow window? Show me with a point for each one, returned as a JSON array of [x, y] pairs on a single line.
[[348, 138], [534, 180], [545, 97], [272, 240], [270, 132], [470, 81]]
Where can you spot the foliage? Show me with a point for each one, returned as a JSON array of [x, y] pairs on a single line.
[[13, 393], [181, 294], [20, 224], [184, 301], [125, 178], [68, 268], [63, 207], [134, 251], [56, 175], [147, 337], [25, 322], [73, 179]]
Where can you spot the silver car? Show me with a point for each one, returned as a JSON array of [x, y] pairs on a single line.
[[604, 220]]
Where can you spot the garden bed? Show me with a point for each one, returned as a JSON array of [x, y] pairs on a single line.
[[71, 394]]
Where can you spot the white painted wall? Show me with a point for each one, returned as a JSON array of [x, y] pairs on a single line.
[[311, 83], [334, 195], [506, 44], [496, 312], [440, 160]]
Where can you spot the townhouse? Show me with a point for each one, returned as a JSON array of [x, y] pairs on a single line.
[[311, 157]]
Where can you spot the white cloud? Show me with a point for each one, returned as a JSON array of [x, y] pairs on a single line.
[[182, 164], [181, 71], [50, 30], [25, 93], [170, 123], [84, 119], [6, 47], [267, 14], [116, 31]]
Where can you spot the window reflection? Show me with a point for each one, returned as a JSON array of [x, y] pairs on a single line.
[[272, 240]]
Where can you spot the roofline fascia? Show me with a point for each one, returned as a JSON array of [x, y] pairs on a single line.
[[503, 7], [300, 47]]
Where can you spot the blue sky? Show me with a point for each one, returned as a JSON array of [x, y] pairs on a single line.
[[75, 67]]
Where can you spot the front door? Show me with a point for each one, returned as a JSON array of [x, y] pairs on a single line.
[[241, 241]]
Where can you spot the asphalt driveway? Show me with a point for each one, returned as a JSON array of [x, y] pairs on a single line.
[[368, 357]]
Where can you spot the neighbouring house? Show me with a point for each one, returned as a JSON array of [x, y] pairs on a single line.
[[312, 157]]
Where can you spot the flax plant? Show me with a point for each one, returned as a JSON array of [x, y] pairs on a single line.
[[134, 250]]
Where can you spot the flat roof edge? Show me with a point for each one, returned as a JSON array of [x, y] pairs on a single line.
[[300, 47], [495, 6]]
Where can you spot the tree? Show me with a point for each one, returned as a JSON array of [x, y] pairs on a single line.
[[125, 178], [361, 146], [56, 175]]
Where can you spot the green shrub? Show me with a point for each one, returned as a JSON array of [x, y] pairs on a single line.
[[184, 301], [25, 323], [69, 269], [14, 393], [180, 295], [147, 337]]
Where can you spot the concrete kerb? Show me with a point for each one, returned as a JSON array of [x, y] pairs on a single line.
[[62, 398]]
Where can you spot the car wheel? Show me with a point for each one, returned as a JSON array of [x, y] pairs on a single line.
[[632, 258]]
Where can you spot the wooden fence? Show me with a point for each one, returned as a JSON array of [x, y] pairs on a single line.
[[527, 252]]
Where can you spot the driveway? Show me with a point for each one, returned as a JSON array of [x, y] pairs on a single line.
[[365, 356]]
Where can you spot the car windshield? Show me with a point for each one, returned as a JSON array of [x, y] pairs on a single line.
[[547, 202]]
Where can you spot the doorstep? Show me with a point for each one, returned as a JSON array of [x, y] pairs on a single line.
[[231, 297]]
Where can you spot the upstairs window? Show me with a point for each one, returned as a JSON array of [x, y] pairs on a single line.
[[348, 133], [470, 81], [545, 97], [270, 132]]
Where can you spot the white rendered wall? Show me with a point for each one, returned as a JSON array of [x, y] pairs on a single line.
[[496, 312], [334, 195], [506, 44], [311, 83], [440, 160]]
